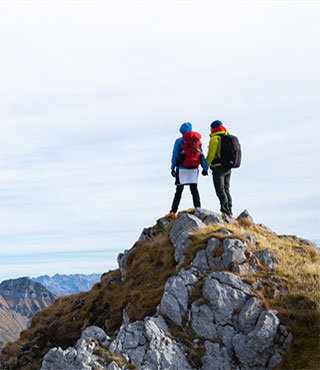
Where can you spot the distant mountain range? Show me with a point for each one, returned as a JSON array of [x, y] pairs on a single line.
[[68, 284], [20, 299]]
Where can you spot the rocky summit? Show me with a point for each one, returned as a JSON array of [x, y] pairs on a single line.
[[199, 292]]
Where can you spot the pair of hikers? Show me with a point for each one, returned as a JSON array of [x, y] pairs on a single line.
[[187, 155]]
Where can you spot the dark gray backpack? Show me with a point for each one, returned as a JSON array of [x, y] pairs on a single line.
[[230, 151]]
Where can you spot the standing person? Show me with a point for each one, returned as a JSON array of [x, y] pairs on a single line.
[[186, 157], [220, 174]]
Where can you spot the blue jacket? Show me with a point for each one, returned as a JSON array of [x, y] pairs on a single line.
[[185, 127]]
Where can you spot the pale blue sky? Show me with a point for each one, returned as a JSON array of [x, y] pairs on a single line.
[[92, 95]]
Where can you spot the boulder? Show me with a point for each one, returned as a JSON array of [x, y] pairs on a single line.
[[82, 357], [268, 258], [250, 239], [234, 252], [149, 232], [122, 263], [223, 297], [201, 317], [245, 215], [249, 314], [156, 350], [179, 234], [174, 303], [208, 217], [256, 348], [216, 357]]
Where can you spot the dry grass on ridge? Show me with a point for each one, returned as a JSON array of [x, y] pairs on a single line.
[[298, 273], [151, 263]]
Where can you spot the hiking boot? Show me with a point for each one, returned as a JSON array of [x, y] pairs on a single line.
[[171, 215], [226, 215]]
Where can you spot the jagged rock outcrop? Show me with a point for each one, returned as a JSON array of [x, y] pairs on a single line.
[[227, 324], [180, 234]]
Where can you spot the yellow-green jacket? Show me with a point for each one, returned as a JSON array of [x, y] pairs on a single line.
[[214, 151]]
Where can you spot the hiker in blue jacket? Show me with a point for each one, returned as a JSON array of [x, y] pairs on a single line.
[[186, 174]]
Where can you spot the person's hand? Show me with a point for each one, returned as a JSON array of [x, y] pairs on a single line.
[[173, 172], [205, 172]]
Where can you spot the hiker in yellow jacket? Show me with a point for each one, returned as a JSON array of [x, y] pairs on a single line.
[[220, 174]]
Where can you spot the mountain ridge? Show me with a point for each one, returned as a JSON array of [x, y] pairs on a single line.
[[65, 284], [163, 293], [20, 299]]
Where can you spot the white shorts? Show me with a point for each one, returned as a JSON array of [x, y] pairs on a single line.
[[187, 176]]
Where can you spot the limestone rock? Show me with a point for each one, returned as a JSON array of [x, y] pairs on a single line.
[[80, 358], [255, 349], [202, 321], [249, 314], [223, 297], [174, 303], [250, 239], [268, 258], [149, 232], [122, 263], [234, 252], [200, 261], [232, 280], [216, 357], [245, 215], [179, 234], [208, 217], [151, 349]]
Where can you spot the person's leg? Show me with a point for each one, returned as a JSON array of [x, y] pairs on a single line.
[[227, 178], [218, 175], [176, 199], [195, 195]]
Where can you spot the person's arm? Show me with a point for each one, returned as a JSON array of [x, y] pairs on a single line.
[[203, 162], [175, 153], [213, 146]]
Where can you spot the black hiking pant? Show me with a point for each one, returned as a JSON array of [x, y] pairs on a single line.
[[221, 181], [177, 197]]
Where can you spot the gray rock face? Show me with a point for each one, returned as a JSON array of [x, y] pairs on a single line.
[[250, 238], [231, 253], [216, 357], [149, 347], [202, 321], [249, 314], [208, 217], [223, 297], [179, 234], [149, 232], [245, 215], [268, 258], [122, 263], [255, 349], [83, 357], [174, 303], [234, 250]]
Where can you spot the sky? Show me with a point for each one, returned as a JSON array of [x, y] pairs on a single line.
[[92, 96]]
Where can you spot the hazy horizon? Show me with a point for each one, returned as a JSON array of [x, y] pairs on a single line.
[[92, 98]]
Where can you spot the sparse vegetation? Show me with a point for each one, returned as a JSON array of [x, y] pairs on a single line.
[[292, 289]]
